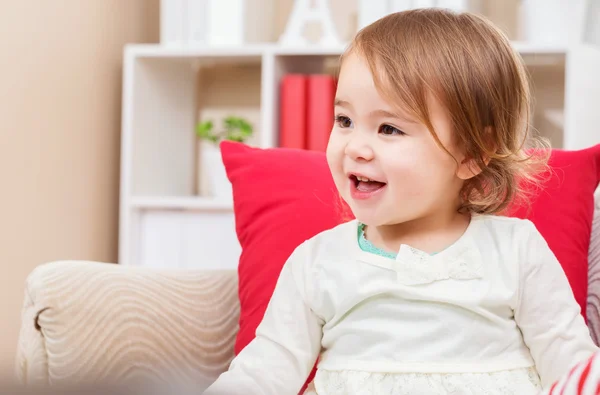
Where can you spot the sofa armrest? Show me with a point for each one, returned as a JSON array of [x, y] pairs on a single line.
[[95, 322], [593, 297]]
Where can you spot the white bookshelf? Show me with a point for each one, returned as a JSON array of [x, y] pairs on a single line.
[[163, 222]]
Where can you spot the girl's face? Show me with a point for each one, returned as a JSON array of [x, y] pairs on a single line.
[[387, 166]]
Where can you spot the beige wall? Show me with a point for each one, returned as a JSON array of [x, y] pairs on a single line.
[[60, 84]]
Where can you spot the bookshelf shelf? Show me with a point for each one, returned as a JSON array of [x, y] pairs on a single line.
[[251, 53], [180, 203], [525, 48], [255, 51]]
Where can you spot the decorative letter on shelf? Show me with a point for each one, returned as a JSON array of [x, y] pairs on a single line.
[[303, 13]]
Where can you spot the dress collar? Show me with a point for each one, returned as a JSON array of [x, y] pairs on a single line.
[[460, 261]]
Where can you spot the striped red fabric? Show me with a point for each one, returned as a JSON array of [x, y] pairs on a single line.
[[583, 379]]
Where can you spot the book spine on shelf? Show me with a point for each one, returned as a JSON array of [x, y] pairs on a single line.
[[321, 93], [293, 111], [172, 26]]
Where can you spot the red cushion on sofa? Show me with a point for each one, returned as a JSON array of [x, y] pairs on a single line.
[[282, 197], [285, 196], [563, 211]]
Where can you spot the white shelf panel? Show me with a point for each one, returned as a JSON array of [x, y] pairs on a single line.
[[182, 240], [526, 48], [255, 51], [180, 203], [157, 50], [308, 50]]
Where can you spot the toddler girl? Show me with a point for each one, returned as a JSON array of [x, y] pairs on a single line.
[[428, 291]]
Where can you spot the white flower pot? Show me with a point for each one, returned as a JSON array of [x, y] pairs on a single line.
[[213, 181]]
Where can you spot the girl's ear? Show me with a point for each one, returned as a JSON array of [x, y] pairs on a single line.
[[468, 167]]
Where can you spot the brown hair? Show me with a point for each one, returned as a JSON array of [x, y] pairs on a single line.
[[470, 66]]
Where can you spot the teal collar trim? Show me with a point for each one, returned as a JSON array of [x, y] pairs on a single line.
[[367, 246]]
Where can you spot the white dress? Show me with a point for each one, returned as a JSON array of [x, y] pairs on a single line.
[[519, 381], [476, 318]]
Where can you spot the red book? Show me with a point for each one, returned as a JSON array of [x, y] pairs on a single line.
[[321, 94], [292, 111]]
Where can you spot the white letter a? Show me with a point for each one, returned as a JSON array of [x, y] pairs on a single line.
[[302, 13]]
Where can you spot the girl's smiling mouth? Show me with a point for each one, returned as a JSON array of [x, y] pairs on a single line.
[[362, 188]]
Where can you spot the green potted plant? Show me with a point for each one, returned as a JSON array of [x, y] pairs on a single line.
[[213, 179], [234, 129]]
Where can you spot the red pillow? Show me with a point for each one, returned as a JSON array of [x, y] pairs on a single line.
[[563, 212], [285, 196], [281, 197]]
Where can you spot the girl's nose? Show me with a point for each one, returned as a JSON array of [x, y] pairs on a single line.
[[358, 148]]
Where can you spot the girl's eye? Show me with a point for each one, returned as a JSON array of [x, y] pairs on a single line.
[[343, 121], [389, 130]]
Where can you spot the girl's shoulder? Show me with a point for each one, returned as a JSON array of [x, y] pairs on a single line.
[[334, 244], [500, 219], [512, 239], [336, 238], [504, 226]]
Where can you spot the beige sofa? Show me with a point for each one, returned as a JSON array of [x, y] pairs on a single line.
[[89, 321]]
